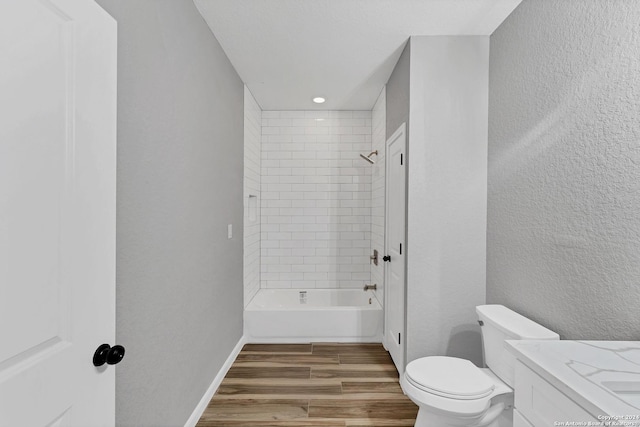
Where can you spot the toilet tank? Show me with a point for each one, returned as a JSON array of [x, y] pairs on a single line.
[[498, 324]]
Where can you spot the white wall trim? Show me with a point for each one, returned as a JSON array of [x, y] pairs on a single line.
[[377, 339], [202, 405]]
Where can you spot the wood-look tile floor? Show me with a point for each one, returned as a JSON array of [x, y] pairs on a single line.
[[300, 385]]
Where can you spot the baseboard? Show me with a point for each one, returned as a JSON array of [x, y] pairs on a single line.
[[202, 405], [307, 340]]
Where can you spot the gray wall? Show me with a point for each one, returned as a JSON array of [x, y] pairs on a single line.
[[564, 166], [447, 195], [180, 154], [398, 93], [439, 87]]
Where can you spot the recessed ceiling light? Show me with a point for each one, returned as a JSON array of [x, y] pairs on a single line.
[[319, 100]]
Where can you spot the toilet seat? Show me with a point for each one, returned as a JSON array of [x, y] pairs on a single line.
[[449, 377], [461, 406]]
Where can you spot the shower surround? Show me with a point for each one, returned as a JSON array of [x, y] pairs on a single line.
[[315, 213]]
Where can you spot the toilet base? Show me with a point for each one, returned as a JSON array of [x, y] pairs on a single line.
[[427, 418]]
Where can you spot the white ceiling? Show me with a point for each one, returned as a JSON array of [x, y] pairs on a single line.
[[288, 51]]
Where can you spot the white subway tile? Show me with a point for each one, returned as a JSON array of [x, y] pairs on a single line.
[[303, 155], [291, 114], [270, 114], [278, 284], [276, 203], [291, 179], [278, 268], [277, 219], [306, 252], [327, 203], [291, 130], [305, 236], [304, 268], [292, 196], [276, 122], [364, 114], [294, 244], [292, 147], [311, 179], [329, 252], [362, 130], [270, 211], [279, 236], [303, 219], [275, 138], [313, 114], [316, 244], [315, 227], [361, 243], [309, 122], [325, 219], [303, 187], [291, 227], [342, 130], [280, 252], [316, 198], [315, 276], [268, 130], [292, 276], [304, 203], [341, 114]]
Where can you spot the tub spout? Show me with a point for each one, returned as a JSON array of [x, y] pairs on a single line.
[[373, 287]]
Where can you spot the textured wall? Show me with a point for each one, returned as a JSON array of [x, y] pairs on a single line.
[[447, 195], [179, 280], [316, 199], [252, 196], [564, 166], [378, 142]]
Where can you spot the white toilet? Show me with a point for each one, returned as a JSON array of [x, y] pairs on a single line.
[[454, 392]]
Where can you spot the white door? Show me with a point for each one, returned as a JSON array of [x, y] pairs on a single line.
[[57, 212], [395, 247]]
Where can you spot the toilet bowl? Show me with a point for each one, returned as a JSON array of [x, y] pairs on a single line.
[[450, 391], [454, 392]]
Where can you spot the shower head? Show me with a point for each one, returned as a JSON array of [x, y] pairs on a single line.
[[368, 158]]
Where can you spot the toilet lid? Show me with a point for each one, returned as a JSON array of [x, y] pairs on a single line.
[[449, 377]]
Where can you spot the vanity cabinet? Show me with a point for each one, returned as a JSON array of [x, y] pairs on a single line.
[[539, 404], [519, 420]]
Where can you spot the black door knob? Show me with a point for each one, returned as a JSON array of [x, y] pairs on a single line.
[[386, 258], [107, 354]]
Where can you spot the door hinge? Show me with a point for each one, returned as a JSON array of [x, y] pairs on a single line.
[[398, 338]]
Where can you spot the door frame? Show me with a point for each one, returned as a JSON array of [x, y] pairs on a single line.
[[401, 130]]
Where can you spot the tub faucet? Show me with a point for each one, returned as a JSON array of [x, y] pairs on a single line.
[[373, 287]]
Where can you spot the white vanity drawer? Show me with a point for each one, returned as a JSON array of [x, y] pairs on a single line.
[[541, 403], [519, 420]]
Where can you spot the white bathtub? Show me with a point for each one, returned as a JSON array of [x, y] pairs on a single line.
[[305, 315]]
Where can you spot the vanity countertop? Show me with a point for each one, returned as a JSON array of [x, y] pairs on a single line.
[[601, 376]]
